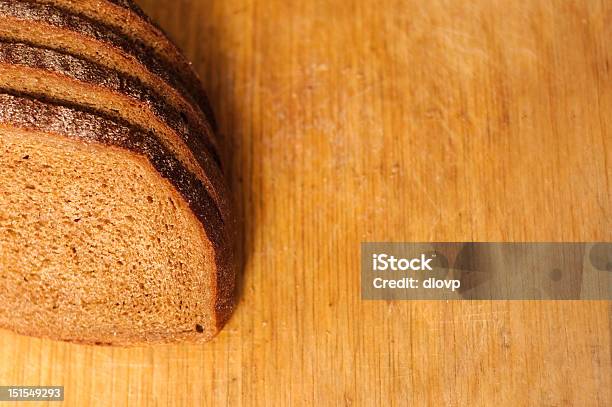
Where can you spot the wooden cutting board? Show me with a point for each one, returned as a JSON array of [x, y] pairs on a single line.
[[349, 121]]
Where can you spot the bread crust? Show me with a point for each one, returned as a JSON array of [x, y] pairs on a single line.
[[28, 114], [130, 5], [86, 29], [124, 86], [128, 18]]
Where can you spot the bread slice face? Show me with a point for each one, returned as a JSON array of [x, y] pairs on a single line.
[[54, 28], [105, 237], [40, 71], [126, 17]]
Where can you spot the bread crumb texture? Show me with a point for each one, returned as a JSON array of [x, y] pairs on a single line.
[[97, 247]]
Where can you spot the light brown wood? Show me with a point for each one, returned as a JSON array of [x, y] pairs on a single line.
[[353, 121]]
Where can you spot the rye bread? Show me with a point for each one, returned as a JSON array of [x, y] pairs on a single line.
[[39, 71], [54, 28], [105, 237], [126, 17]]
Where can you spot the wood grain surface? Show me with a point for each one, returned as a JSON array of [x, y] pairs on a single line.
[[349, 121]]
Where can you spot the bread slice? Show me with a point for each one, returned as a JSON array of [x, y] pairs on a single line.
[[53, 28], [126, 17], [39, 71], [105, 236]]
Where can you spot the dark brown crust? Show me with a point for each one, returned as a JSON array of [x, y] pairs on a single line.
[[124, 86], [98, 75], [28, 114], [95, 30], [129, 12], [130, 5]]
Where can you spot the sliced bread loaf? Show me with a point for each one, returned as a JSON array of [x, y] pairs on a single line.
[[126, 17], [105, 236], [39, 71], [54, 28]]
